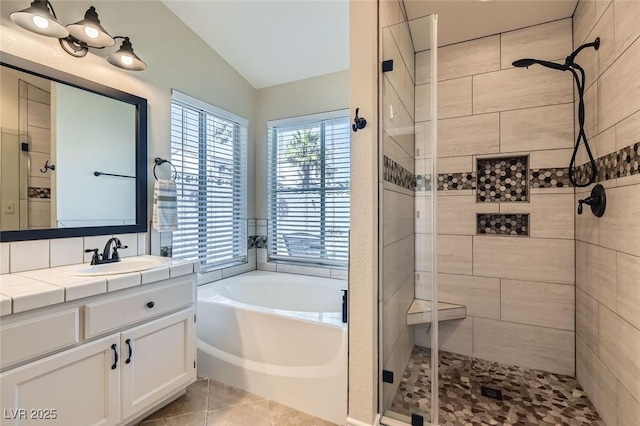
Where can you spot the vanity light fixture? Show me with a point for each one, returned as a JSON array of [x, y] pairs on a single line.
[[40, 18], [76, 39], [125, 58]]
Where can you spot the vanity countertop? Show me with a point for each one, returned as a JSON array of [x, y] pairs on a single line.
[[24, 291]]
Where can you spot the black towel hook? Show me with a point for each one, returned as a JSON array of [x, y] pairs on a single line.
[[160, 161], [47, 167], [358, 122]]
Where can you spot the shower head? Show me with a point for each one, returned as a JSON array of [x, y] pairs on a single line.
[[526, 63]]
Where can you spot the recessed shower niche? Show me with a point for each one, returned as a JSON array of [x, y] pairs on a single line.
[[502, 179]]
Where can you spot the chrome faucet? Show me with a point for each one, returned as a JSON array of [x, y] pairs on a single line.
[[105, 257]]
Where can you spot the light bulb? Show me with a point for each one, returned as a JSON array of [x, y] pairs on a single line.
[[91, 32], [126, 59], [40, 21]]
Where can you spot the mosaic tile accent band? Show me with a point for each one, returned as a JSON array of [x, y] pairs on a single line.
[[530, 397], [625, 162], [257, 241], [503, 224], [398, 175], [423, 183], [502, 179], [549, 178], [35, 192], [456, 181]]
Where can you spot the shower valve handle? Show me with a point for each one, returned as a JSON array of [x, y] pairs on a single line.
[[592, 201]]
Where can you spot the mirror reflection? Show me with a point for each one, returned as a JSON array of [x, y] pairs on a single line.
[[67, 156]]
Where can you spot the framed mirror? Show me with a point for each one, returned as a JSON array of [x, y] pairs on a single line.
[[73, 155]]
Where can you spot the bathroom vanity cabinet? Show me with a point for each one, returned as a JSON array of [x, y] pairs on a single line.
[[108, 359]]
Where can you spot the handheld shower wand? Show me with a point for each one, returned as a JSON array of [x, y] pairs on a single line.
[[579, 77]]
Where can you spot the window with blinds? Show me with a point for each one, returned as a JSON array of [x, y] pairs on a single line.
[[208, 149], [309, 179]]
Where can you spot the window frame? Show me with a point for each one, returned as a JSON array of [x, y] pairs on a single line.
[[206, 111], [320, 119]]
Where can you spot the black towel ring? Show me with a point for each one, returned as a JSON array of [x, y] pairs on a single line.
[[160, 161]]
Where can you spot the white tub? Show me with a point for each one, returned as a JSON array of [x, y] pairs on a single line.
[[277, 335]]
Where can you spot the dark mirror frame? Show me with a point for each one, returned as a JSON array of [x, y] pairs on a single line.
[[43, 71]]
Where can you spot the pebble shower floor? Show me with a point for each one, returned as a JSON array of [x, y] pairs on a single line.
[[530, 397]]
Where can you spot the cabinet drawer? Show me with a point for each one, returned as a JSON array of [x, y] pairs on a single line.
[[112, 314], [39, 336]]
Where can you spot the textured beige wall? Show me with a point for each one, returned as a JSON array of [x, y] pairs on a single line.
[[608, 248], [519, 291], [363, 271]]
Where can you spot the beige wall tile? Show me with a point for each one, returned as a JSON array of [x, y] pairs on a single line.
[[453, 336], [528, 346], [401, 126], [628, 288], [28, 255], [627, 14], [390, 13], [400, 77], [517, 88], [454, 98], [39, 114], [596, 272], [457, 215], [601, 5], [548, 41], [455, 254], [605, 30], [587, 319], [469, 58], [554, 158], [628, 408], [405, 44], [586, 224], [396, 153], [423, 285], [618, 349], [423, 67], [480, 295], [591, 112], [423, 250], [601, 145], [534, 303], [398, 216], [472, 135], [628, 131], [396, 361], [619, 228], [618, 83], [547, 127], [394, 315], [584, 19], [423, 104], [598, 382], [398, 264], [547, 260], [455, 164], [423, 213], [551, 216]]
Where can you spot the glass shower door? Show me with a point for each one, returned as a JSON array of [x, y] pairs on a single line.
[[407, 204]]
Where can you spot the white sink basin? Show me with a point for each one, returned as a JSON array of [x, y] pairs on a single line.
[[131, 264]]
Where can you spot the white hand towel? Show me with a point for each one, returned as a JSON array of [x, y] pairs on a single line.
[[165, 206]]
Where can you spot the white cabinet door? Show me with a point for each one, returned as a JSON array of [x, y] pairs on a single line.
[[157, 361], [77, 387]]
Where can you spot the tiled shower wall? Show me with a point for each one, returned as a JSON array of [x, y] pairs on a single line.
[[608, 248], [519, 289], [397, 192]]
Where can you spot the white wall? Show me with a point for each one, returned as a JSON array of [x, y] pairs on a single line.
[[176, 58], [88, 139]]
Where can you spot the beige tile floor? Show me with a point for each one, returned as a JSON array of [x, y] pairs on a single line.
[[211, 403]]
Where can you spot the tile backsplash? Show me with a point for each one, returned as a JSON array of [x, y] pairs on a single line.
[[22, 256]]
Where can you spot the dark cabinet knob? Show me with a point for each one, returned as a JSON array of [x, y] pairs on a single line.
[[150, 305]]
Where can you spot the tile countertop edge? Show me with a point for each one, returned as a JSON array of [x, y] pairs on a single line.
[[57, 281]]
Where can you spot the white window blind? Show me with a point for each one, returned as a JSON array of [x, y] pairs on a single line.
[[309, 179], [208, 149]]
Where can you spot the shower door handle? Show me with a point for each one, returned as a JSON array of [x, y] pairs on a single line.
[[345, 301]]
